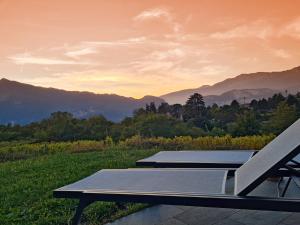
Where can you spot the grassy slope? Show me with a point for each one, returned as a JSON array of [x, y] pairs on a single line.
[[26, 186]]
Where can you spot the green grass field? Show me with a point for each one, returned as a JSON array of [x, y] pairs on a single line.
[[29, 172], [27, 185]]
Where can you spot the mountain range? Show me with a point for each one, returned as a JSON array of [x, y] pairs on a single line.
[[239, 86], [242, 96], [22, 103]]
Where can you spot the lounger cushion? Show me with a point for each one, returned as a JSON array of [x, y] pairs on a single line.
[[183, 181], [199, 158]]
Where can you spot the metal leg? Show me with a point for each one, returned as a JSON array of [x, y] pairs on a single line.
[[296, 162], [82, 204], [293, 170], [278, 187], [286, 187]]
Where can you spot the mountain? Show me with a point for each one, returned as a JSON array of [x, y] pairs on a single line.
[[277, 81], [22, 103], [242, 96]]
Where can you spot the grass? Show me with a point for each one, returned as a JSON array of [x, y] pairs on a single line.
[[29, 172], [11, 151], [27, 185]]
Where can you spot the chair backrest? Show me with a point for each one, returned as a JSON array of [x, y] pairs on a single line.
[[268, 160]]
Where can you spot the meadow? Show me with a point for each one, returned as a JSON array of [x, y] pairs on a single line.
[[27, 185], [29, 172]]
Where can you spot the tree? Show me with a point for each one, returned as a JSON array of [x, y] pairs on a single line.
[[96, 127], [151, 108], [283, 116], [176, 111], [60, 126], [291, 100], [235, 105], [275, 100], [216, 131], [246, 124], [194, 112], [140, 111], [159, 125], [194, 106], [263, 105], [163, 108]]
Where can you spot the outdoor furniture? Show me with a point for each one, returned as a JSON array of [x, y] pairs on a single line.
[[230, 159], [249, 188], [198, 159]]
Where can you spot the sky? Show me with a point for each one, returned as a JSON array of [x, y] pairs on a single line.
[[145, 47]]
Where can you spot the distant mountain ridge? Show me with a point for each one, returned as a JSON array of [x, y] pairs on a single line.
[[23, 103], [242, 96], [277, 81]]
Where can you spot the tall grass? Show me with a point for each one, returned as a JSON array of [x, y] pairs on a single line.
[[200, 143], [21, 151], [15, 151]]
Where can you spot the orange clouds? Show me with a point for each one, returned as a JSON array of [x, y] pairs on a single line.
[[135, 48]]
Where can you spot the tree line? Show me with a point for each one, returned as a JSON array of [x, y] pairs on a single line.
[[194, 118]]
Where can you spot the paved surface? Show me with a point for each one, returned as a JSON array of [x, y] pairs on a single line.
[[185, 215]]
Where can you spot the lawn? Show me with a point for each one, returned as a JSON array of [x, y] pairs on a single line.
[[27, 185], [29, 172]]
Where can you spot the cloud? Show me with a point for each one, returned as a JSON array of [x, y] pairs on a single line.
[[161, 61], [281, 53], [125, 42], [81, 52], [213, 70], [261, 29], [168, 54], [204, 61], [292, 29], [145, 66], [27, 58], [153, 14], [159, 13], [258, 29]]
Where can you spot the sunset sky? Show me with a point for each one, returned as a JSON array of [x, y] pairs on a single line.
[[144, 47]]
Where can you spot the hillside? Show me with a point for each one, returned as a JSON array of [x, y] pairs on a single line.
[[242, 96], [277, 81], [23, 103]]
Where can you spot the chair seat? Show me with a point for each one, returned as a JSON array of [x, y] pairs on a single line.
[[199, 159], [169, 181]]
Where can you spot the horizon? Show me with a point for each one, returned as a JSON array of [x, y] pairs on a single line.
[[51, 87], [136, 48]]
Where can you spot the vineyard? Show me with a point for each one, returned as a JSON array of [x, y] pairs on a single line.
[[18, 150]]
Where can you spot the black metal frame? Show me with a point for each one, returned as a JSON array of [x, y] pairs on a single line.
[[83, 203], [220, 201], [293, 172], [189, 165]]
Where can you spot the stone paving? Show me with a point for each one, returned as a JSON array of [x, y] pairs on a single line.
[[186, 215]]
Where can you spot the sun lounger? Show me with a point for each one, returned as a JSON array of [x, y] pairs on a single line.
[[198, 159], [230, 159], [249, 188]]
